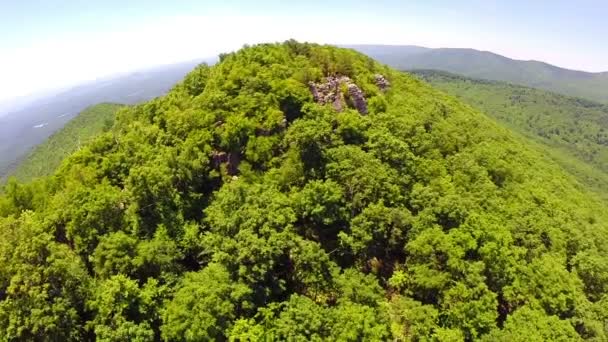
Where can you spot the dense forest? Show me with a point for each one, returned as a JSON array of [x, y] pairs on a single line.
[[46, 157], [302, 192], [574, 131]]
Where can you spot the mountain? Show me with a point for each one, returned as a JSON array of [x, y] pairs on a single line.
[[46, 157], [390, 54], [490, 66], [301, 192], [17, 103], [22, 130], [573, 130]]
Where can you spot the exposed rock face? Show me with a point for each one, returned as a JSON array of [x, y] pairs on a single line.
[[330, 93], [219, 158], [382, 82], [356, 95], [315, 92], [232, 161]]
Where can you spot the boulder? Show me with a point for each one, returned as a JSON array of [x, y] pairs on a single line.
[[329, 92], [382, 82], [232, 161], [356, 96]]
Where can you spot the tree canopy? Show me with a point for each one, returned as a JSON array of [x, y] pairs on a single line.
[[572, 131], [238, 208]]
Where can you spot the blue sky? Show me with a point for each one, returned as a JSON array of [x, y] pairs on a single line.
[[51, 43]]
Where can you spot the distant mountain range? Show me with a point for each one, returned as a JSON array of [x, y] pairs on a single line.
[[491, 66], [34, 122], [29, 126], [47, 156]]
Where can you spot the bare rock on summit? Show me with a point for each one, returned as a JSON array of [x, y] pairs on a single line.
[[356, 96], [330, 92]]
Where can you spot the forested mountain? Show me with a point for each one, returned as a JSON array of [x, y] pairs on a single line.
[[301, 192], [23, 129], [490, 66], [574, 130], [46, 157], [392, 55]]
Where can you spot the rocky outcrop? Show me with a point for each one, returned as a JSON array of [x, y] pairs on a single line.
[[330, 92], [219, 158], [382, 82], [357, 98], [232, 161]]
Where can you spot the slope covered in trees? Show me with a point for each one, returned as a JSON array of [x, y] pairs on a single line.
[[46, 157], [573, 131], [491, 66], [24, 127], [237, 207]]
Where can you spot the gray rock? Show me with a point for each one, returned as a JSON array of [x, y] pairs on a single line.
[[357, 97], [329, 92], [232, 161], [382, 82], [315, 92]]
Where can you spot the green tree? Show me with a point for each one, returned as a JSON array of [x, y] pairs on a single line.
[[124, 311], [42, 283], [204, 305], [526, 324]]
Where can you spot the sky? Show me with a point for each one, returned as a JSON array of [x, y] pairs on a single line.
[[47, 44]]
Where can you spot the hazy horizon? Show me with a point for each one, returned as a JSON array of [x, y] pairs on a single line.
[[48, 46], [353, 170]]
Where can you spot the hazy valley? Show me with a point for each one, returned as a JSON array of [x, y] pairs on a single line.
[[34, 122]]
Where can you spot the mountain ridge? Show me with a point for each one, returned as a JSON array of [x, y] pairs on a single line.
[[489, 65], [296, 191], [415, 49]]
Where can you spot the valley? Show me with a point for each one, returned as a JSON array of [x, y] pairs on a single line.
[[29, 126]]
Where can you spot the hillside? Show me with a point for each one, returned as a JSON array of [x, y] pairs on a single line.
[[297, 192], [46, 157], [23, 129], [490, 66], [574, 130]]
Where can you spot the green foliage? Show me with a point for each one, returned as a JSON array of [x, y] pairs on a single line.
[[42, 282], [526, 324], [46, 157], [124, 311], [357, 316], [572, 131], [195, 82], [114, 255], [204, 305], [236, 208]]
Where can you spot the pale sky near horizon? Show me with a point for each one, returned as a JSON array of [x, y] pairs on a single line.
[[56, 43]]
